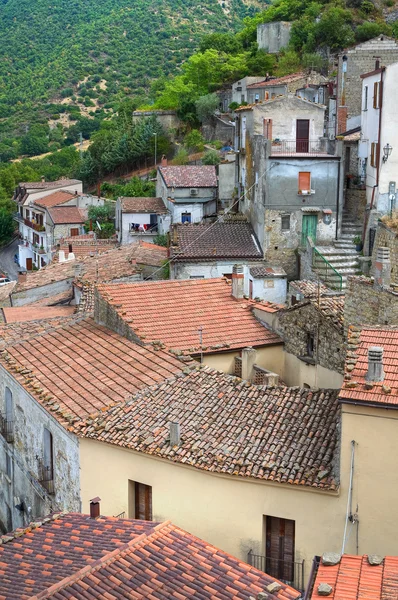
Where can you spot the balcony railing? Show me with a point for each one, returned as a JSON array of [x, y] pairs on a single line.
[[46, 476], [33, 225], [18, 217], [7, 429], [289, 572], [307, 147], [150, 231]]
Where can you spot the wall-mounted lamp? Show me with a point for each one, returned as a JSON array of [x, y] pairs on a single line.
[[386, 152]]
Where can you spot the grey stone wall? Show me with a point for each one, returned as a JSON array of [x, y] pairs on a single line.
[[273, 36], [105, 314], [389, 238], [294, 327], [355, 203], [44, 291], [366, 306]]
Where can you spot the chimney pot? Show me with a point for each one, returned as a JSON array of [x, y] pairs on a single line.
[[174, 433], [238, 281], [43, 179], [375, 364], [248, 360], [95, 508], [61, 256], [382, 268], [22, 276], [163, 162]]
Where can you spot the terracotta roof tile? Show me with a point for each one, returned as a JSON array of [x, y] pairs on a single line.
[[55, 199], [61, 215], [46, 185], [230, 426], [86, 245], [27, 313], [173, 311], [214, 241], [30, 562], [189, 176], [74, 366], [170, 563], [143, 205], [353, 578], [355, 387], [331, 307], [277, 81], [262, 272], [308, 288]]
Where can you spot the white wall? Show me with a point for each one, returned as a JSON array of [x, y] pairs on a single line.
[[389, 135], [272, 289]]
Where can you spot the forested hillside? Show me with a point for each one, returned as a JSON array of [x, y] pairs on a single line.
[[93, 53]]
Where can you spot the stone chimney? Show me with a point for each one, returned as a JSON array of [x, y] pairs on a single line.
[[382, 268], [95, 508], [163, 162], [248, 360], [22, 276], [238, 281], [375, 364], [61, 256], [43, 179], [174, 433]]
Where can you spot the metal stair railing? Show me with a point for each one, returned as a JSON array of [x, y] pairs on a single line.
[[329, 268]]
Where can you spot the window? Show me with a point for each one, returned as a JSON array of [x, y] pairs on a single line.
[[74, 231], [7, 419], [310, 345], [243, 140], [256, 97], [365, 98], [280, 548], [304, 182], [196, 277], [285, 223], [143, 501], [185, 217], [8, 466], [374, 154], [267, 127], [376, 94], [46, 465]]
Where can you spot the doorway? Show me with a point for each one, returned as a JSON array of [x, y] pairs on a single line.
[[302, 135], [29, 264], [309, 226], [279, 550]]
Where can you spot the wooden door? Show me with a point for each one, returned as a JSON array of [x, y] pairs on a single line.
[[280, 537], [309, 228], [302, 135], [29, 264], [74, 231], [143, 501]]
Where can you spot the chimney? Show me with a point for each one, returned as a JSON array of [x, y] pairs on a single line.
[[248, 359], [174, 433], [375, 364], [77, 269], [70, 248], [22, 276], [238, 281], [377, 63], [61, 256], [382, 268], [163, 162], [95, 508], [43, 179]]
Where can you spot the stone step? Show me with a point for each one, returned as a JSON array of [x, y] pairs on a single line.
[[346, 245], [350, 232], [338, 265], [333, 251]]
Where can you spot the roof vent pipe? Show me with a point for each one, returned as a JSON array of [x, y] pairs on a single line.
[[175, 433], [375, 364]]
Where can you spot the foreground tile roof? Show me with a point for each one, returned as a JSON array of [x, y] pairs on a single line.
[[281, 434], [168, 563], [277, 81], [189, 176], [355, 387], [44, 553], [354, 578], [76, 367], [173, 311], [17, 314], [214, 241], [62, 215], [143, 205], [55, 199]]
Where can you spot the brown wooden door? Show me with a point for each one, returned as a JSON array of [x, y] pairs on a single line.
[[280, 548], [302, 135], [74, 231], [143, 501], [29, 264]]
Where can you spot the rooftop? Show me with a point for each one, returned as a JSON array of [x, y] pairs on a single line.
[[143, 205], [221, 240], [354, 578], [48, 185], [87, 245], [71, 556], [63, 215], [308, 288], [355, 387], [74, 367], [262, 272], [173, 311], [278, 80], [280, 98], [329, 306], [189, 176], [229, 426], [17, 314], [55, 199]]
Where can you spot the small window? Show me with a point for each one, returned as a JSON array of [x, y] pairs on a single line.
[[268, 129], [285, 222], [8, 466], [196, 277], [376, 94], [365, 98], [186, 217], [304, 182], [143, 501], [374, 154], [310, 344], [74, 231]]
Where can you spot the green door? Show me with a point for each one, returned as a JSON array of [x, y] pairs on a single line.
[[309, 228]]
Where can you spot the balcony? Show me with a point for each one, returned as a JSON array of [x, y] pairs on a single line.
[[150, 230], [7, 429], [318, 147], [33, 225], [46, 476], [289, 572], [18, 217]]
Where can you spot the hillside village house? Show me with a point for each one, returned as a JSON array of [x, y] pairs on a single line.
[[239, 89], [140, 218], [188, 192], [288, 176], [270, 87]]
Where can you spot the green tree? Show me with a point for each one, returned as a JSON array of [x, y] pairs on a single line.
[[211, 157], [206, 105], [194, 141], [289, 62], [7, 226]]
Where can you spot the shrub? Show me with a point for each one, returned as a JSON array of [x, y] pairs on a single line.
[[211, 157]]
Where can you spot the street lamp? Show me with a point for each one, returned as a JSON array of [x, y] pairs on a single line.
[[386, 152], [156, 143]]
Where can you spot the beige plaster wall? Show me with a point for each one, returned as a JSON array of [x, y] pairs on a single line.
[[297, 372], [270, 358]]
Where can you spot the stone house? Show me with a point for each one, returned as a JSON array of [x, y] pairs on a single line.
[[387, 237], [288, 177], [272, 37], [140, 218], [188, 192], [352, 63], [239, 88], [304, 85]]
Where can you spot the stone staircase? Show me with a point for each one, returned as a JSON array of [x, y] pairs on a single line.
[[341, 256]]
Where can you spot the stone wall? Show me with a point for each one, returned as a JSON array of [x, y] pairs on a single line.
[[389, 238], [273, 36], [105, 314], [364, 305], [44, 291], [295, 324], [355, 203]]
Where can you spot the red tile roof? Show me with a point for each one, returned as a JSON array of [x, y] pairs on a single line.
[[189, 176], [63, 215], [355, 387], [35, 558], [214, 241], [173, 311], [55, 199], [86, 245], [168, 563], [77, 367], [308, 288], [229, 426], [46, 185], [27, 313], [353, 578], [143, 205], [277, 81]]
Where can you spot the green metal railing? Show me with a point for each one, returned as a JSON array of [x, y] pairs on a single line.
[[330, 271]]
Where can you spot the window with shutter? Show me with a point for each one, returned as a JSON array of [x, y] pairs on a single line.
[[143, 501], [280, 548], [376, 94], [374, 154], [268, 129], [304, 181], [365, 98]]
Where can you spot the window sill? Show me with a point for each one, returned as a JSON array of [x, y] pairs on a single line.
[[309, 193], [307, 359]]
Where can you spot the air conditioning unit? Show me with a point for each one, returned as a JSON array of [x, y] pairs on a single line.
[[194, 192]]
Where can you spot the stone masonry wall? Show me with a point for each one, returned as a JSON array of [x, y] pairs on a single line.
[[389, 238], [294, 327], [366, 306], [355, 203], [105, 314]]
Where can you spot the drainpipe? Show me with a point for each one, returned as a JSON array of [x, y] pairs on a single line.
[[338, 198]]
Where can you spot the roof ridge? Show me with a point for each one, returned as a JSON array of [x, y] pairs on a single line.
[[112, 556], [20, 531]]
